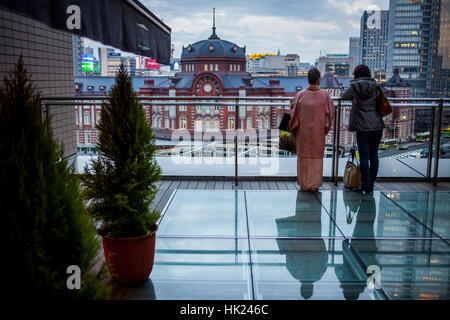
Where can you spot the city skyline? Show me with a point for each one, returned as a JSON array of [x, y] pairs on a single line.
[[300, 27]]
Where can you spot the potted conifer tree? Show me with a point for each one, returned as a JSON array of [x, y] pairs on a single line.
[[121, 184], [45, 227]]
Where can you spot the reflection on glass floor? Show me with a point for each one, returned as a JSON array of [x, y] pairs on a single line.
[[237, 244]]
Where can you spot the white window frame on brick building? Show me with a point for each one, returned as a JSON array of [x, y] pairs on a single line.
[[183, 122], [231, 123], [87, 117]]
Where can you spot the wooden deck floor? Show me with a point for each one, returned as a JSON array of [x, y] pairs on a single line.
[[166, 187]]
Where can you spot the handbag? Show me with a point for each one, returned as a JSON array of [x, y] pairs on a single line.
[[287, 139], [382, 103], [352, 174]]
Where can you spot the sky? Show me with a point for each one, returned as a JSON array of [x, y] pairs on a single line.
[[304, 27]]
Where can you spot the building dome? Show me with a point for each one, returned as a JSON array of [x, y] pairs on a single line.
[[213, 55], [213, 47]]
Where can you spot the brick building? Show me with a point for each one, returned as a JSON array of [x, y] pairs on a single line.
[[210, 67], [400, 123]]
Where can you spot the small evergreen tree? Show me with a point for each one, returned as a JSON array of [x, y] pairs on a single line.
[[121, 182], [45, 224]]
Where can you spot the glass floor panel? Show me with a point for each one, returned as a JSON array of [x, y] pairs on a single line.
[[287, 269], [286, 214], [430, 208], [409, 269], [367, 216], [197, 269], [248, 244], [205, 213]]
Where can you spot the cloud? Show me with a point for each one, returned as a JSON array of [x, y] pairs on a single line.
[[352, 7], [304, 27]]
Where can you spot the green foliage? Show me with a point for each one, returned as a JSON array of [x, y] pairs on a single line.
[[45, 226], [121, 182]]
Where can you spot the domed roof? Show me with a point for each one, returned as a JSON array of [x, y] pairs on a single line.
[[213, 47]]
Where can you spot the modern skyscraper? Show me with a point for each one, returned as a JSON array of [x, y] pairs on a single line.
[[354, 49], [78, 47], [374, 40], [419, 45]]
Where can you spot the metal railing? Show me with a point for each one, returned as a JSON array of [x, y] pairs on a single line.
[[223, 101]]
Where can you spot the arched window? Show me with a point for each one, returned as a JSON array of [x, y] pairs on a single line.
[[206, 67], [217, 67]]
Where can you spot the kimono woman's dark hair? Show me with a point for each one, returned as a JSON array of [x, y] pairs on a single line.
[[313, 75], [362, 70]]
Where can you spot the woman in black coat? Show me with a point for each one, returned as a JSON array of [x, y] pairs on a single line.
[[366, 120]]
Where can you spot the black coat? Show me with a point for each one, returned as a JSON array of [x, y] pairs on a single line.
[[364, 115]]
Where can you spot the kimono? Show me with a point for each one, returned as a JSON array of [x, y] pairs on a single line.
[[312, 114]]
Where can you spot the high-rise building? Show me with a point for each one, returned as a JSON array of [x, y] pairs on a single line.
[[110, 62], [374, 40], [78, 50], [354, 50], [419, 45]]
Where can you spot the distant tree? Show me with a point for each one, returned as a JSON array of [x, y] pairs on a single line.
[[45, 227], [121, 183]]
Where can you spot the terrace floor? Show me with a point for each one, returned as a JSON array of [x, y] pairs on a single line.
[[267, 240]]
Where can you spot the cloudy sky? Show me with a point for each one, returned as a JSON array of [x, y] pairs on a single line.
[[305, 27]]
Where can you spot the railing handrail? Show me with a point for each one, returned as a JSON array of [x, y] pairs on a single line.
[[234, 98], [434, 103]]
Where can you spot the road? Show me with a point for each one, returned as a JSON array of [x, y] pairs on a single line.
[[414, 147]]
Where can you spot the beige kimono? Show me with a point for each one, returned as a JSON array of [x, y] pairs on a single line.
[[312, 114]]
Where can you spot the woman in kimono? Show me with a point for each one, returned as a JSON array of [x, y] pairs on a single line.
[[312, 114]]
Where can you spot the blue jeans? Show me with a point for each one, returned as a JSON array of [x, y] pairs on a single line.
[[368, 142]]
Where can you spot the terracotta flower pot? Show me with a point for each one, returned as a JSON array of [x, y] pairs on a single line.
[[130, 260]]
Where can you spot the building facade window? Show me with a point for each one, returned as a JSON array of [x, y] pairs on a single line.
[[198, 125], [87, 137], [231, 123], [87, 117], [207, 124], [217, 124], [249, 122], [183, 123]]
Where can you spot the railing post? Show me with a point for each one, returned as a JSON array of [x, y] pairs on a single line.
[[333, 156], [438, 142], [236, 125], [338, 138], [430, 145]]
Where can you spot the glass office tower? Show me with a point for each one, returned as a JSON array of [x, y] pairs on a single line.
[[374, 40], [415, 29]]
